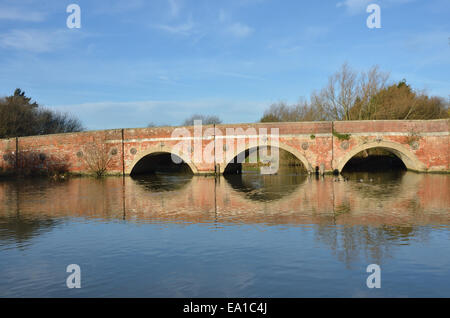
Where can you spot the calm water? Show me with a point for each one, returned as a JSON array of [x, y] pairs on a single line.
[[249, 236]]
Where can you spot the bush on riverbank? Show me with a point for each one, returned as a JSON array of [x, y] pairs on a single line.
[[32, 164]]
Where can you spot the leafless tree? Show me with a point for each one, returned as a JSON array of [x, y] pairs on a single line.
[[97, 157], [337, 98]]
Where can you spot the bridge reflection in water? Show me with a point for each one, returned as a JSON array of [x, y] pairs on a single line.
[[242, 235], [402, 199]]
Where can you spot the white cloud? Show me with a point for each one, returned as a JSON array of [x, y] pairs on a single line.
[[238, 29], [37, 41], [17, 14], [243, 76], [183, 29]]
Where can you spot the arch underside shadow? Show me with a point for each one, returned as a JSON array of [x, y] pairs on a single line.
[[250, 148], [148, 162], [405, 155]]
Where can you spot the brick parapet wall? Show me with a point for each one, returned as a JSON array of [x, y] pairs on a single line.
[[427, 142]]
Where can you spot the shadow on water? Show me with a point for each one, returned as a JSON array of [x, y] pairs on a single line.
[[20, 230], [377, 184], [246, 177], [15, 226], [163, 182], [263, 188]]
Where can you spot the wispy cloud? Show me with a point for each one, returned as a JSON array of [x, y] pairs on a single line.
[[37, 41], [239, 30], [18, 14], [30, 40], [178, 27], [182, 29], [226, 25], [240, 75], [233, 28]]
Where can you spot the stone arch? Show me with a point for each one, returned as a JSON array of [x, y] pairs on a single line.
[[280, 145], [154, 151], [404, 154]]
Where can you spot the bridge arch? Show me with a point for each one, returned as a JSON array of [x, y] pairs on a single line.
[[154, 152], [404, 154], [280, 145]]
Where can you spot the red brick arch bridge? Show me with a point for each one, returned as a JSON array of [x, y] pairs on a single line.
[[422, 145]]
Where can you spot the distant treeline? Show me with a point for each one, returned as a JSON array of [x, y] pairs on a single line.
[[19, 116], [370, 95]]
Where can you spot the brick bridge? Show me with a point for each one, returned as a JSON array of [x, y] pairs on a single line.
[[326, 146]]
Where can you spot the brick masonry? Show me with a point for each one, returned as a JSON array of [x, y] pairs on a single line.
[[422, 145]]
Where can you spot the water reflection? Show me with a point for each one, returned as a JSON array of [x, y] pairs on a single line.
[[364, 213], [163, 182], [265, 188], [19, 230], [376, 242]]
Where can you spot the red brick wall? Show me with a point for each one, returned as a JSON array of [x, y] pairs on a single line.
[[428, 141], [314, 141], [7, 154]]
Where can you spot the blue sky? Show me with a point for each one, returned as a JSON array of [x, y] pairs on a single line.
[[133, 62]]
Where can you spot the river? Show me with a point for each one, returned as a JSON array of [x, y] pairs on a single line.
[[236, 236]]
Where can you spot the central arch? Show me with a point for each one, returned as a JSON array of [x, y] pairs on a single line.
[[404, 154], [280, 145], [155, 152]]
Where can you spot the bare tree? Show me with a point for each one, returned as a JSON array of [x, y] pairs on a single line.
[[97, 157], [370, 83], [337, 98]]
